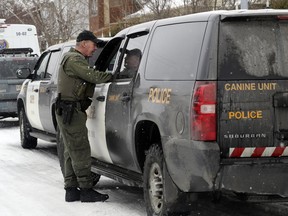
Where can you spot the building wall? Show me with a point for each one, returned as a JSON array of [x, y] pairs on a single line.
[[104, 13]]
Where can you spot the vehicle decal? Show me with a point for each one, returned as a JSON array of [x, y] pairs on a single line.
[[114, 97], [258, 152], [246, 136], [4, 44], [159, 95], [250, 86], [253, 114]]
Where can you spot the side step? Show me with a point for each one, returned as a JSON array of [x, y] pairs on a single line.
[[122, 175], [43, 135]]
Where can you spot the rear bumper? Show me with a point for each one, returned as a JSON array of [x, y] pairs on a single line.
[[196, 167], [261, 179], [8, 108]]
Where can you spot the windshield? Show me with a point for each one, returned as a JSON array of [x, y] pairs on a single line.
[[253, 48], [9, 66]]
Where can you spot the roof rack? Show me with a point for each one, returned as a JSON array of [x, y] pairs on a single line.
[[16, 51]]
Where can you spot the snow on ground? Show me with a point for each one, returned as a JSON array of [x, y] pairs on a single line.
[[31, 183]]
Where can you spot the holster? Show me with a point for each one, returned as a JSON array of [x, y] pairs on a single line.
[[58, 107], [66, 110]]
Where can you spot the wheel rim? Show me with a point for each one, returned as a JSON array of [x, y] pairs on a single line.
[[156, 188], [21, 126]]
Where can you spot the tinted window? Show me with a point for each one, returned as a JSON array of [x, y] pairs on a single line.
[[262, 52], [174, 52], [9, 66], [52, 64], [132, 57], [43, 65]]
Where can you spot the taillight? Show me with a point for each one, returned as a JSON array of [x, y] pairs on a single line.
[[282, 17], [203, 112]]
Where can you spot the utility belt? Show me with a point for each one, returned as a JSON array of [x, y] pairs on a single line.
[[66, 108]]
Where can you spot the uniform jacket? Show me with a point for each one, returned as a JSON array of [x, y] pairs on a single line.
[[76, 79]]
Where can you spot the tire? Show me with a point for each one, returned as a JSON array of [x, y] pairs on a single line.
[[27, 141], [154, 182], [60, 153]]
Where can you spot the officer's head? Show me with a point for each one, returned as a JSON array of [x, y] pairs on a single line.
[[86, 43]]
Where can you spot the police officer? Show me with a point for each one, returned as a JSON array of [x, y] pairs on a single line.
[[76, 82]]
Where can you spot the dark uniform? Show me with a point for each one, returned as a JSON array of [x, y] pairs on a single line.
[[76, 83]]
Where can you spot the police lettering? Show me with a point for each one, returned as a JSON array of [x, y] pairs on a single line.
[[257, 114], [267, 86], [158, 95], [250, 86], [240, 86]]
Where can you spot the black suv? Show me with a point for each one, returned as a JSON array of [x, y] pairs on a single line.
[[10, 61], [205, 112]]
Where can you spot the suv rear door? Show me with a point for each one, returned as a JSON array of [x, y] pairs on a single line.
[[10, 85], [253, 87]]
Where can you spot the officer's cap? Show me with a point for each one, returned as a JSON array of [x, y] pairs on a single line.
[[87, 35]]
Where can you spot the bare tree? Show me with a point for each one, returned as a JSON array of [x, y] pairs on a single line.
[[160, 8], [56, 20]]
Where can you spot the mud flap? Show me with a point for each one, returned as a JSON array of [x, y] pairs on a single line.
[[176, 200]]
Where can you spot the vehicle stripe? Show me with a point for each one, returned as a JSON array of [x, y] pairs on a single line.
[[258, 152], [236, 152]]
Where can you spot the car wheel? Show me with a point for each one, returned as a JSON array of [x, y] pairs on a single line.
[[60, 153], [27, 141], [154, 182]]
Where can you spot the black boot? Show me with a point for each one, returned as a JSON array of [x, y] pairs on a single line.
[[89, 195], [72, 194]]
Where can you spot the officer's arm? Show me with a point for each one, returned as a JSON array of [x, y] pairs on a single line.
[[80, 68]]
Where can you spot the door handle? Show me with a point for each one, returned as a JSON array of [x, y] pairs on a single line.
[[100, 98], [35, 90]]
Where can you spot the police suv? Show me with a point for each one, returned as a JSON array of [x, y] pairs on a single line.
[[206, 111], [10, 61]]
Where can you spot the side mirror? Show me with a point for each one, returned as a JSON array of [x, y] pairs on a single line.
[[23, 73]]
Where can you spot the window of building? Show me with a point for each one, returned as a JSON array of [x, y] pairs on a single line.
[[94, 7]]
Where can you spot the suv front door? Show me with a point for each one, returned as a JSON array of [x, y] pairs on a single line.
[[118, 122]]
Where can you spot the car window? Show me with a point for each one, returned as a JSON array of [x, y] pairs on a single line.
[[106, 60], [174, 51], [43, 65], [262, 52], [132, 56], [52, 66], [10, 64]]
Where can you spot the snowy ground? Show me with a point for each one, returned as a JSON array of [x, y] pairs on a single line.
[[31, 183]]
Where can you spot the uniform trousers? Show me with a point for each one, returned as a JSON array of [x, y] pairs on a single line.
[[77, 152]]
